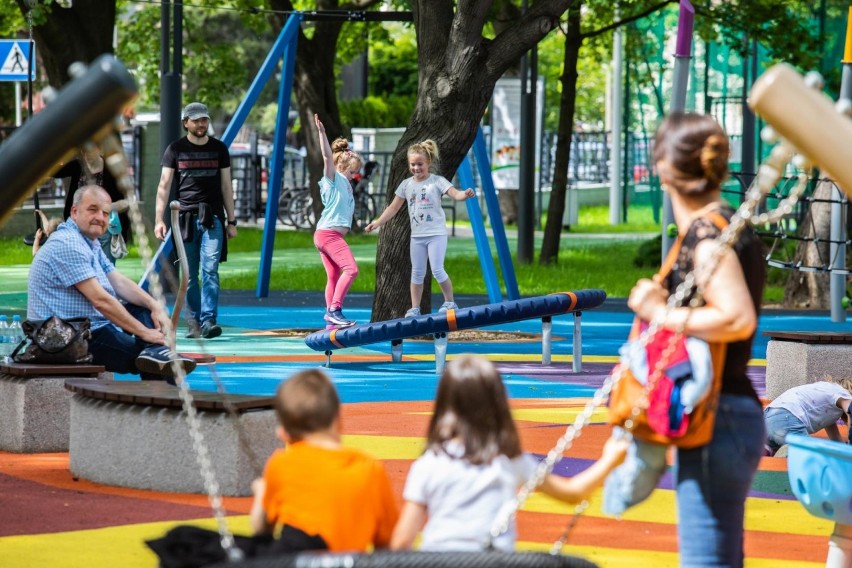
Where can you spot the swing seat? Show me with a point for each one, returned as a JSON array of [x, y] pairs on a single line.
[[412, 559], [819, 472]]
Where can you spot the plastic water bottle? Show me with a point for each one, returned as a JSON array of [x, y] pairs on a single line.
[[16, 333], [4, 337]]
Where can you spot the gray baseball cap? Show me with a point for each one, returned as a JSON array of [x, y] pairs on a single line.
[[194, 111]]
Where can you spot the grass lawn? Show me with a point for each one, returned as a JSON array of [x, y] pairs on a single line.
[[587, 259]]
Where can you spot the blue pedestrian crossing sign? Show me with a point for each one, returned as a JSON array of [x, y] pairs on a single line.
[[13, 60]]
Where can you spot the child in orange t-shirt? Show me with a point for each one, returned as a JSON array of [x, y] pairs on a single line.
[[314, 484]]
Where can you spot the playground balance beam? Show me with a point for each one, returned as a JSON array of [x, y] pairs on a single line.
[[439, 324]]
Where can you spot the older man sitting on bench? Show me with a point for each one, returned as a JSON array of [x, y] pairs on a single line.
[[71, 277]]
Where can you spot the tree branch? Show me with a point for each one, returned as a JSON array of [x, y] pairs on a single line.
[[628, 19]]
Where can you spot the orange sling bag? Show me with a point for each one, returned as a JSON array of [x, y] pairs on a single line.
[[630, 398]]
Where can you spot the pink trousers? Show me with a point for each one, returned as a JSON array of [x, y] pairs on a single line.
[[339, 265]]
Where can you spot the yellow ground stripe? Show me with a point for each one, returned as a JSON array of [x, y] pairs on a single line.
[[523, 358], [98, 548], [124, 546], [762, 514], [387, 447], [536, 358], [555, 416]]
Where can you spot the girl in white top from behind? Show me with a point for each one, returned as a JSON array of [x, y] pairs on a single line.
[[423, 192], [807, 409], [473, 466]]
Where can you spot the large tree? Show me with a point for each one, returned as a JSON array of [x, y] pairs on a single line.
[[80, 32], [459, 66]]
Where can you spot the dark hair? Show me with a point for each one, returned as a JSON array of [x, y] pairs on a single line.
[[471, 405], [691, 151], [306, 402]]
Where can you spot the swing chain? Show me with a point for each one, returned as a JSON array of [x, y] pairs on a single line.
[[116, 161]]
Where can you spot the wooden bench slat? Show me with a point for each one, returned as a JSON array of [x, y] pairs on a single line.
[[831, 337], [161, 394], [40, 370]]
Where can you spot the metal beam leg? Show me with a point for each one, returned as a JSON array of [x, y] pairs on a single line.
[[328, 358], [396, 350], [578, 344], [840, 547], [546, 338], [440, 352]]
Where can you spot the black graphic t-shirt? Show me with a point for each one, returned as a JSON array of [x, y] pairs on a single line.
[[198, 171]]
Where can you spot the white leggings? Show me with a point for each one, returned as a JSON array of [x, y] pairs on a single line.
[[433, 247]]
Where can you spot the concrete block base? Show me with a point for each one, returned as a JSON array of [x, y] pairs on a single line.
[[146, 447], [34, 414], [790, 364]]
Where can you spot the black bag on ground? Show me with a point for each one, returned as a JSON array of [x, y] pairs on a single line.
[[55, 341]]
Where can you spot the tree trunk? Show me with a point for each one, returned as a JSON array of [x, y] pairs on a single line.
[[556, 208], [458, 70], [811, 289], [79, 33]]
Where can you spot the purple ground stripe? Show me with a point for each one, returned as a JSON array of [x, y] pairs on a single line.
[[569, 467], [593, 374]]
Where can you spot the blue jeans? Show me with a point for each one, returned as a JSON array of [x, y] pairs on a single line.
[[713, 482], [116, 349], [779, 423], [204, 250]]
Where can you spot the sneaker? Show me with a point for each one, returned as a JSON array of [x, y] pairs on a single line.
[[193, 331], [157, 360], [209, 330], [412, 313], [448, 306], [336, 317]]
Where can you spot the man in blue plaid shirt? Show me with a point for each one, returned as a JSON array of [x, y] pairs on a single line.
[[71, 277]]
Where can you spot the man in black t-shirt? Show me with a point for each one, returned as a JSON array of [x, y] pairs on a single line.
[[207, 216]]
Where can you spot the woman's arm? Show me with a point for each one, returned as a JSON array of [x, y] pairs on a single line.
[[411, 521], [729, 313], [327, 156], [577, 488], [391, 210], [460, 195]]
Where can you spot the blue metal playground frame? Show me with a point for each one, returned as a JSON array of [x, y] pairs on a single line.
[[284, 49]]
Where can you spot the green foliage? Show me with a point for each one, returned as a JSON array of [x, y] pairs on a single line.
[[223, 50], [649, 253], [393, 62], [377, 112]]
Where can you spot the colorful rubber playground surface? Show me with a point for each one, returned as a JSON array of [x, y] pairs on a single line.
[[49, 519]]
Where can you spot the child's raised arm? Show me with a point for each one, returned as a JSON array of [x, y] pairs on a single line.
[[327, 156], [577, 488], [411, 521]]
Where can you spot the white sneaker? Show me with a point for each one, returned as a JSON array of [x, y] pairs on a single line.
[[412, 313], [448, 306]]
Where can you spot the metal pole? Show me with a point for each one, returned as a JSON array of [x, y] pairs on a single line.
[[526, 189], [839, 204], [615, 128], [680, 81]]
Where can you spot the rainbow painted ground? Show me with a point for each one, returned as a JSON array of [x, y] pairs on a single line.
[[49, 519]]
